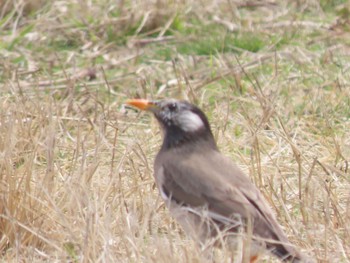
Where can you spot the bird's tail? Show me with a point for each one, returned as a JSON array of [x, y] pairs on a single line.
[[289, 254]]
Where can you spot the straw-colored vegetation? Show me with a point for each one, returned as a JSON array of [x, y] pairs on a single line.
[[76, 166]]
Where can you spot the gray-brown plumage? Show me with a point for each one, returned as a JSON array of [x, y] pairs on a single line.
[[204, 190]]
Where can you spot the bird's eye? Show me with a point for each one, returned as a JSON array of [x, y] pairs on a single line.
[[172, 107]]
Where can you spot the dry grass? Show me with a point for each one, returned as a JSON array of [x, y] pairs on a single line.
[[76, 166]]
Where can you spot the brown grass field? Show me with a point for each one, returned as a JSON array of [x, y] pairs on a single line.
[[76, 165]]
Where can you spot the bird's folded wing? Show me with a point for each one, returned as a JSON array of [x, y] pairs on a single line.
[[194, 183], [215, 182]]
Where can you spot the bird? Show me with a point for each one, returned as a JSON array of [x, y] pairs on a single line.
[[206, 192]]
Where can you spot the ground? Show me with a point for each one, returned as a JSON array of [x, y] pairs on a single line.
[[76, 165]]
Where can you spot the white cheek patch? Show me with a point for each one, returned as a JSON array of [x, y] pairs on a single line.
[[190, 122]]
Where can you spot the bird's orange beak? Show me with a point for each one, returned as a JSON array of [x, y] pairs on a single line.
[[142, 104]]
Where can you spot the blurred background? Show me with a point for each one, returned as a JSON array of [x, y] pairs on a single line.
[[76, 165]]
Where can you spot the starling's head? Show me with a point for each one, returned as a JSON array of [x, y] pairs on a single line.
[[180, 120]]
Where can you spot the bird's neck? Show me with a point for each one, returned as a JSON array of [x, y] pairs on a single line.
[[175, 138]]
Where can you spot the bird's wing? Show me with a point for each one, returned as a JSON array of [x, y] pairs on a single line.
[[201, 179], [212, 180]]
